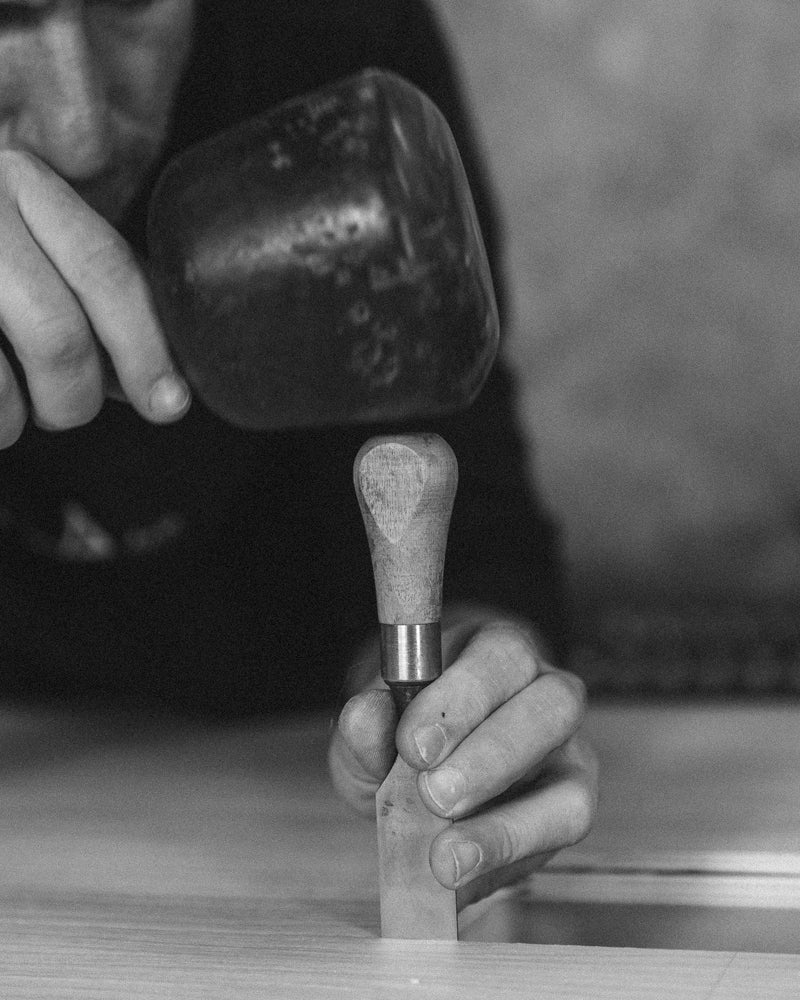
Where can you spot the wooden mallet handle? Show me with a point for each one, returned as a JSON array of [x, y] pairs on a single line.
[[406, 486]]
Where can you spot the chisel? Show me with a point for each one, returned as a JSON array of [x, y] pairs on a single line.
[[405, 487]]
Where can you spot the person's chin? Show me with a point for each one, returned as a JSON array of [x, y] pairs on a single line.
[[110, 191]]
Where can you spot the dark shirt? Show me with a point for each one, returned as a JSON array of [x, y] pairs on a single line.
[[201, 567]]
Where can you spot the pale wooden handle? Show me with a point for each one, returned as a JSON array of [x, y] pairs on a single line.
[[405, 487]]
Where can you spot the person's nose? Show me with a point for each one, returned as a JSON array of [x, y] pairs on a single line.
[[64, 117]]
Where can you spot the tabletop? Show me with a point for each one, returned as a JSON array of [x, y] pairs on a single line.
[[157, 858]]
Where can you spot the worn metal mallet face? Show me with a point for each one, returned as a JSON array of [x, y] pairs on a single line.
[[322, 264]]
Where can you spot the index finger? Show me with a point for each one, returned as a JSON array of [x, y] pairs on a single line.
[[103, 274], [498, 662]]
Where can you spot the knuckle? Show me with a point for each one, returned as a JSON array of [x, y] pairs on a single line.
[[512, 644], [69, 351], [585, 756], [517, 649], [9, 434], [11, 425], [8, 386], [57, 343], [566, 702], [111, 263], [502, 661], [581, 811], [14, 164], [12, 409], [579, 695], [65, 392]]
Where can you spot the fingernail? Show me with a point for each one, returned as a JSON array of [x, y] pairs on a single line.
[[446, 786], [430, 742], [466, 856], [169, 396]]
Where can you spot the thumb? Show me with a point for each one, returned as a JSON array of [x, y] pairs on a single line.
[[362, 749]]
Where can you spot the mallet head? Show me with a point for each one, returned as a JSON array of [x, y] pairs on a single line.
[[322, 264]]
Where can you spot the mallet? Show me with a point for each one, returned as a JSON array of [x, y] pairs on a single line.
[[322, 264]]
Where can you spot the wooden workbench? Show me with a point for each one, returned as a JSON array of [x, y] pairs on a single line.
[[167, 860]]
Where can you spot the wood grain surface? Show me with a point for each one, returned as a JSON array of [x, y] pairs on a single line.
[[164, 860]]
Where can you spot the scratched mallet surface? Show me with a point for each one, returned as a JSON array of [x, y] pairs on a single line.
[[405, 487], [322, 264]]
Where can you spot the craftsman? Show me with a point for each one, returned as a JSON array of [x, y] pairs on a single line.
[[153, 556]]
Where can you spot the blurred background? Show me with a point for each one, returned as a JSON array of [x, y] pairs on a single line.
[[647, 161]]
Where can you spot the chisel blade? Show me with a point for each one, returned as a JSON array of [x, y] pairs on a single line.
[[414, 905]]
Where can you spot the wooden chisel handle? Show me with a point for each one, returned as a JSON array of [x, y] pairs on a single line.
[[406, 486]]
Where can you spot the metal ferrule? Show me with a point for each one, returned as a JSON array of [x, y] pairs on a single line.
[[411, 654]]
